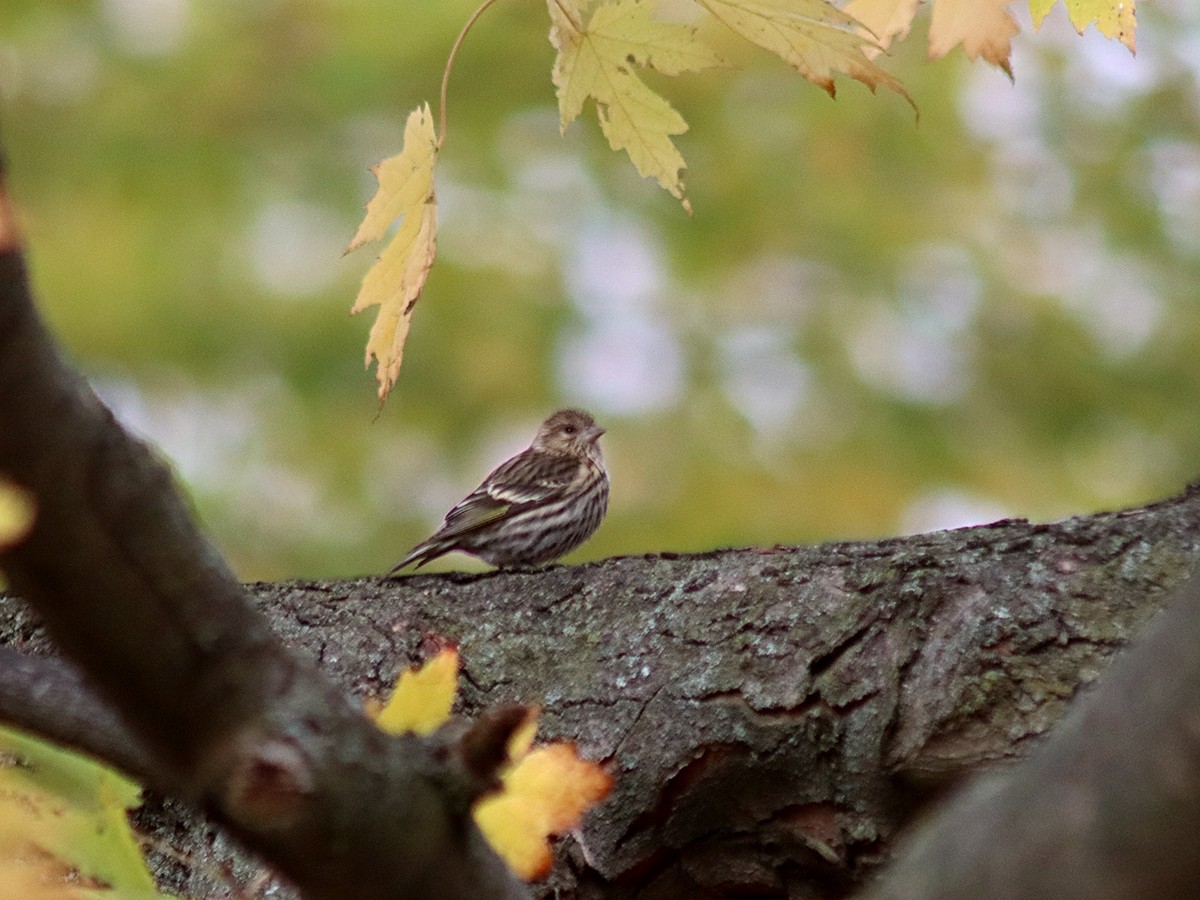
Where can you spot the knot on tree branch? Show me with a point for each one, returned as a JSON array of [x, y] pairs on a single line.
[[270, 782]]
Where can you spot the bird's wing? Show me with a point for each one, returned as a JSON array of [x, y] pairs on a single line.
[[527, 478], [473, 512], [531, 477]]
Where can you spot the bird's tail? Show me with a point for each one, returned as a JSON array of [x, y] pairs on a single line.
[[420, 554]]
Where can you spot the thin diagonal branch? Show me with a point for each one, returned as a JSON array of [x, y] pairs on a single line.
[[479, 11]]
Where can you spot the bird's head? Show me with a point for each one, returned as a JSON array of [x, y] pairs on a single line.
[[569, 431]]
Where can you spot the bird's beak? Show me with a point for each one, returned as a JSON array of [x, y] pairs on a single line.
[[594, 433]]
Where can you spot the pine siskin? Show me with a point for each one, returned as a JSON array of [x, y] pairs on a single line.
[[542, 503]]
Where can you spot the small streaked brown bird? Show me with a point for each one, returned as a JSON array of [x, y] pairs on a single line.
[[541, 504]]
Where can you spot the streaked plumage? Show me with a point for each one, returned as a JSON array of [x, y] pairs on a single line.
[[537, 506]]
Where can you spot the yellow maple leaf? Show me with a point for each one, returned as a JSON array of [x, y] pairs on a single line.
[[884, 20], [599, 60], [16, 513], [423, 697], [983, 27], [545, 794], [1113, 18], [394, 283], [812, 36]]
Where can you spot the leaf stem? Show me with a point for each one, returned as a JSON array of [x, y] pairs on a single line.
[[450, 65]]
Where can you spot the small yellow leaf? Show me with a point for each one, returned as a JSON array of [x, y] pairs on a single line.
[[983, 27], [545, 794], [16, 513], [812, 36], [884, 20], [1113, 18], [394, 283], [522, 738], [423, 697], [600, 59]]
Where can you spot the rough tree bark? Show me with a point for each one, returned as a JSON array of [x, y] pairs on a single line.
[[773, 717]]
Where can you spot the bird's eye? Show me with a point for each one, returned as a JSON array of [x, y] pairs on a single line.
[[569, 429]]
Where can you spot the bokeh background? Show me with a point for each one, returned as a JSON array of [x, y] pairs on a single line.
[[871, 326]]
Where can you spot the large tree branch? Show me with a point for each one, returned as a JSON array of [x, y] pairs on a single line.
[[773, 717], [134, 593]]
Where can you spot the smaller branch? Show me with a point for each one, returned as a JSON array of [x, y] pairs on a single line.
[[483, 750], [450, 65], [51, 699]]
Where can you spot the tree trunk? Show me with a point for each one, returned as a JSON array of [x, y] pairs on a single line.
[[773, 717], [1107, 809]]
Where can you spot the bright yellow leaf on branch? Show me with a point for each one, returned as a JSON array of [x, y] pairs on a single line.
[[423, 697], [599, 60], [545, 794], [814, 37], [1113, 18], [394, 283]]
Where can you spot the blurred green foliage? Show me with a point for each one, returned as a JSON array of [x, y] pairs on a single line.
[[871, 325]]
